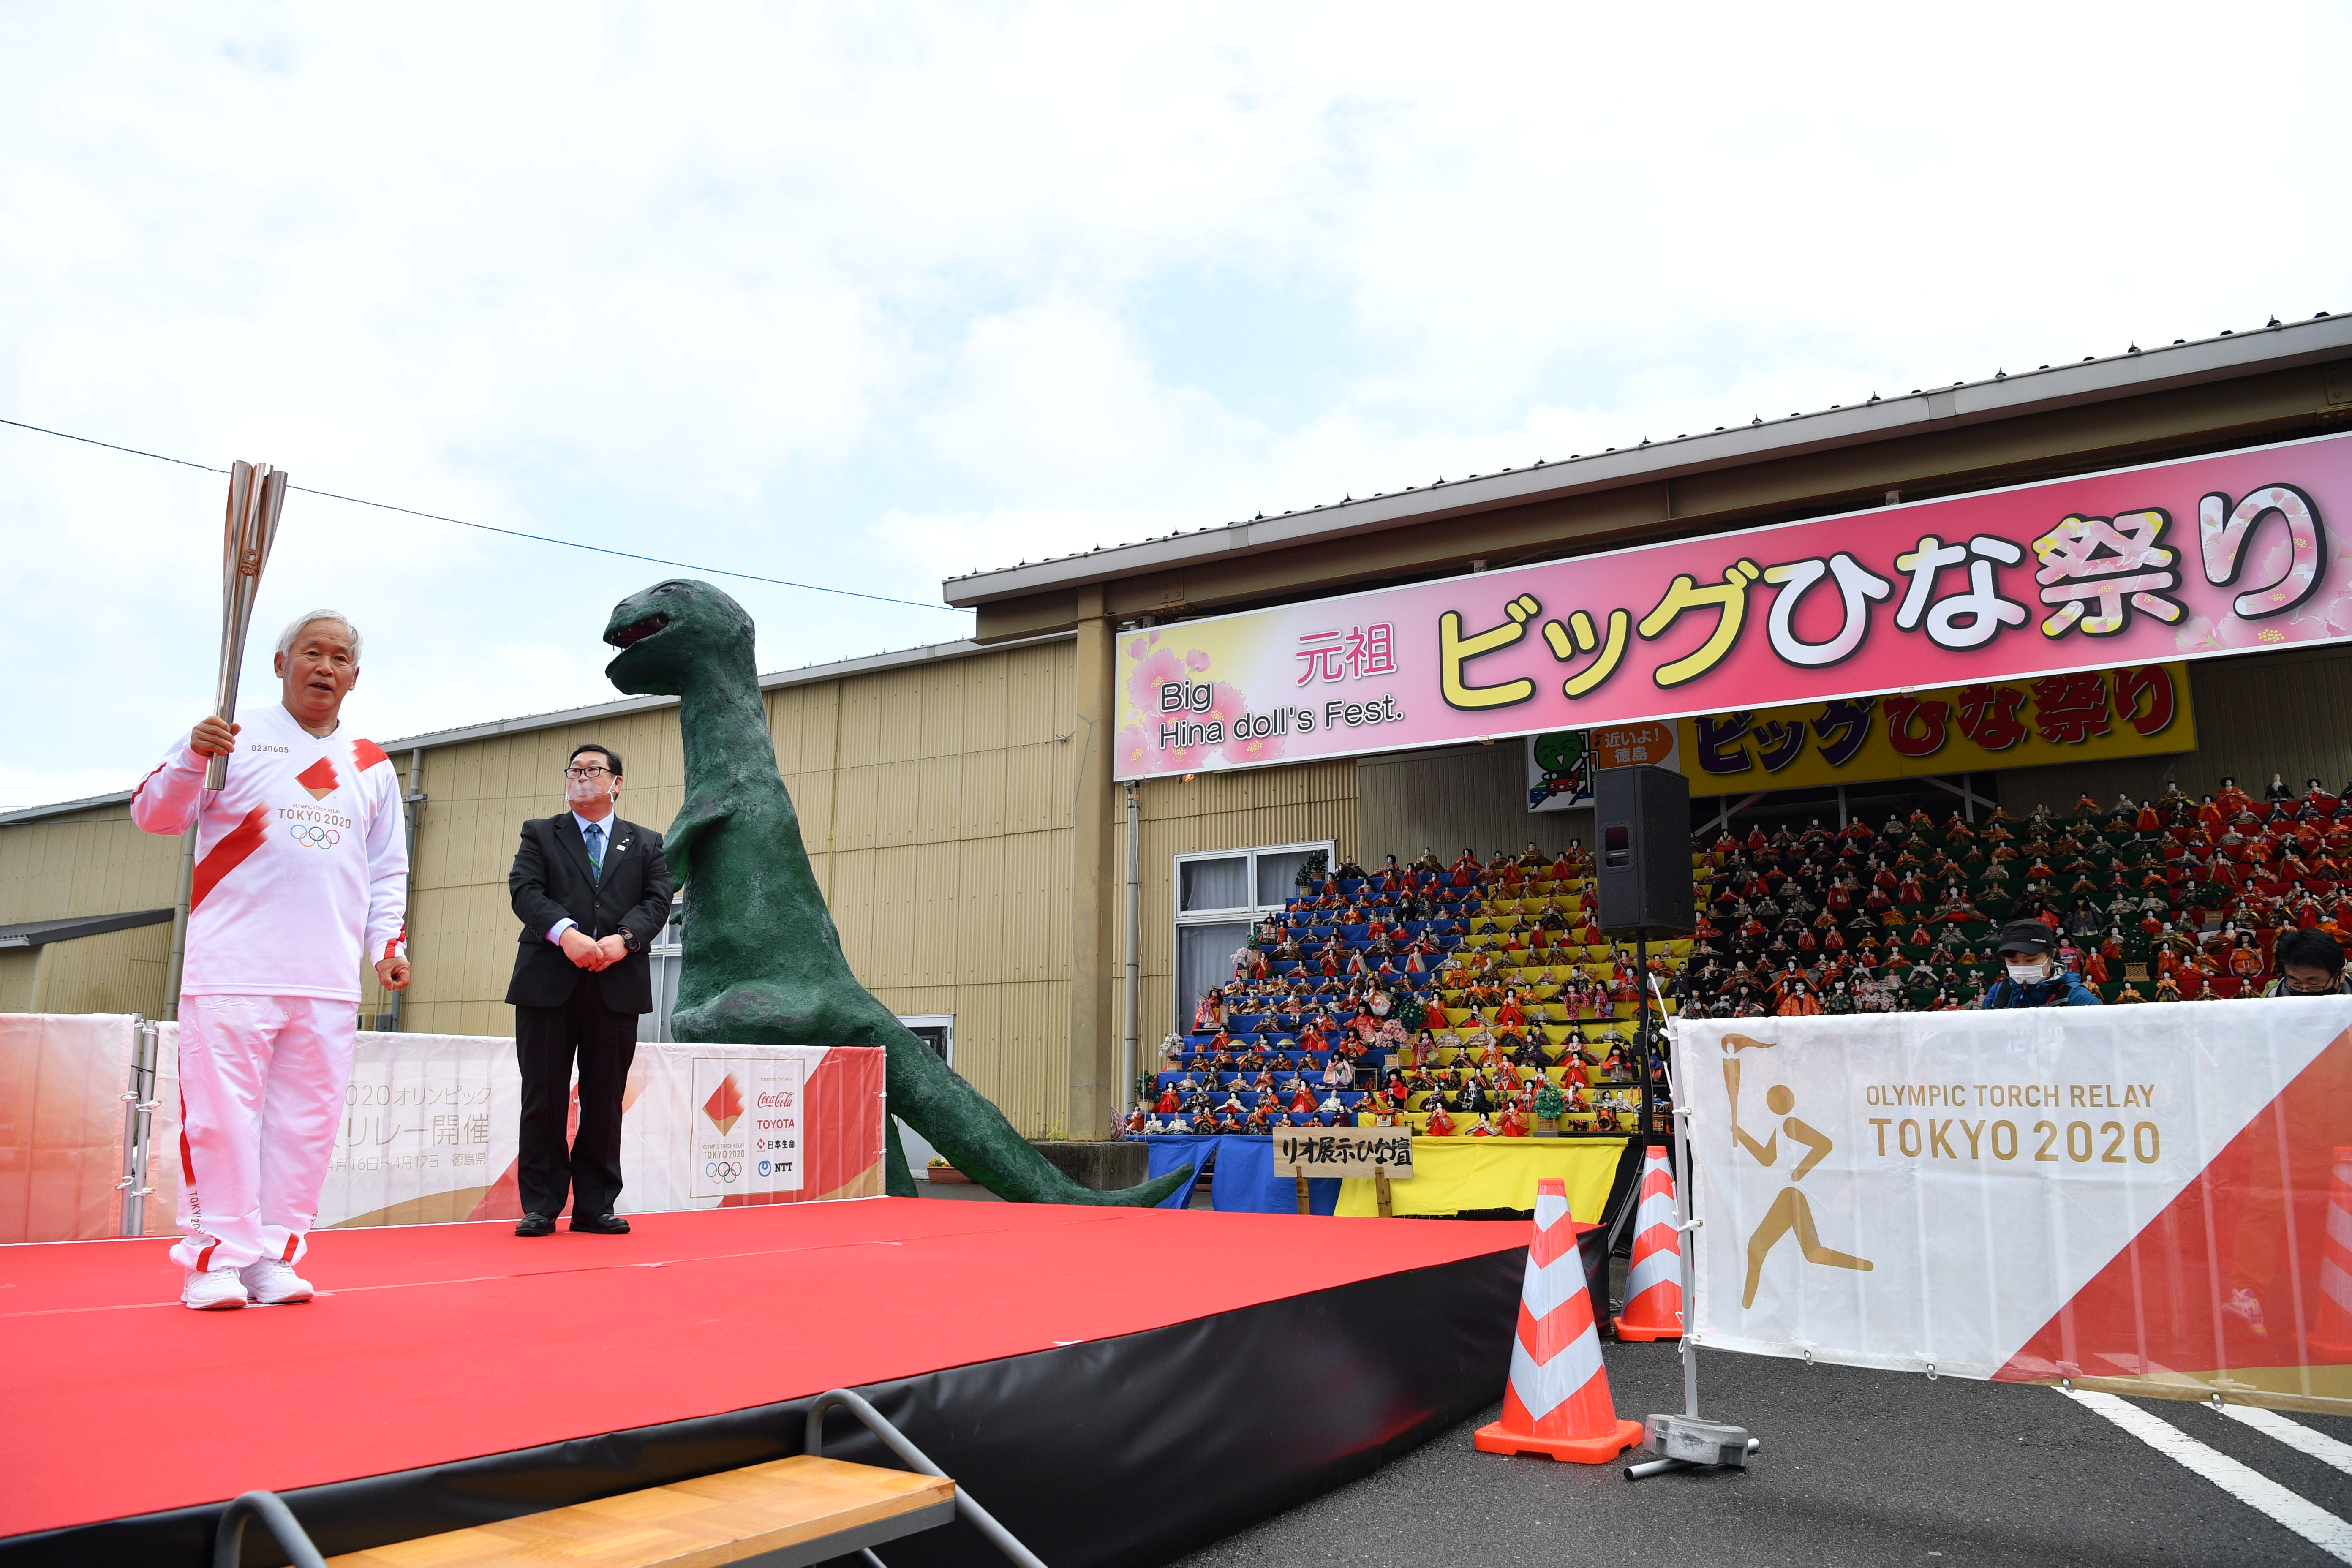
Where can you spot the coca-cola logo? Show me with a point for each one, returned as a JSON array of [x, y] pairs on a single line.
[[775, 1099]]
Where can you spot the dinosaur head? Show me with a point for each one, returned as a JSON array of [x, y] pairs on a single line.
[[671, 629]]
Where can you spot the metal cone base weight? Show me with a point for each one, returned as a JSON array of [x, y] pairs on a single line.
[[1492, 1438], [1557, 1402]]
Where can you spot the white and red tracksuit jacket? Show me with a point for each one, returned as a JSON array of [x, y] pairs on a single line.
[[301, 865]]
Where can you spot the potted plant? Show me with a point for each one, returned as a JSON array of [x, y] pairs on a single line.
[[1549, 1105], [940, 1171]]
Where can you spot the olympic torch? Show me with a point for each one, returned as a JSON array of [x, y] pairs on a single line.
[[256, 493]]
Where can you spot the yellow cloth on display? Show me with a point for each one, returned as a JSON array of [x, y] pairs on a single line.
[[1451, 1174]]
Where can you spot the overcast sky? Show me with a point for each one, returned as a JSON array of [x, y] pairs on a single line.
[[866, 296]]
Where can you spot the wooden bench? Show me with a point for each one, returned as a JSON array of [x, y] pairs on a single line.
[[782, 1514]]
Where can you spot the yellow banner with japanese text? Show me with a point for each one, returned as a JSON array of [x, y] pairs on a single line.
[[2142, 711]]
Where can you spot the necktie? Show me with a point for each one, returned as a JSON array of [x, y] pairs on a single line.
[[596, 849]]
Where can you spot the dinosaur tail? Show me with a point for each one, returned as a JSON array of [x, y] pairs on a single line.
[[956, 1118], [972, 1132]]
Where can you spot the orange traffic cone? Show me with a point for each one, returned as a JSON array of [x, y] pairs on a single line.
[[1654, 1286], [1558, 1402], [2333, 1334]]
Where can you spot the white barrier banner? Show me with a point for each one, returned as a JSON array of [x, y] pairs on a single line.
[[2151, 1196], [62, 1078], [429, 1129]]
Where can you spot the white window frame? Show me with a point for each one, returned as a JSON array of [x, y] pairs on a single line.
[[943, 1022], [665, 953], [917, 1148], [1253, 913]]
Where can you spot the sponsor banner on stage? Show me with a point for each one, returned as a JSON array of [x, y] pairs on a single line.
[[747, 1124], [2122, 570], [428, 1133], [2152, 1198]]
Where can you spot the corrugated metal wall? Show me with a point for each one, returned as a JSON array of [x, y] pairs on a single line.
[[92, 862], [1444, 800], [16, 979], [461, 933], [1302, 803], [935, 804]]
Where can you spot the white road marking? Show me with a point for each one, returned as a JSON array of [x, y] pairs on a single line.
[[2306, 1518], [2295, 1434]]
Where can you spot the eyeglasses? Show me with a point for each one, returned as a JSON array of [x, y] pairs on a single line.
[[584, 772]]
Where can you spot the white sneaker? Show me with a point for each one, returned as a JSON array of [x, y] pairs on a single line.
[[212, 1290], [273, 1284]]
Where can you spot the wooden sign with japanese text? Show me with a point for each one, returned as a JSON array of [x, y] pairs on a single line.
[[1343, 1151]]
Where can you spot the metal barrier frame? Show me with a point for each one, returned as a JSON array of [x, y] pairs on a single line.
[[967, 1508], [138, 1105], [229, 1537]]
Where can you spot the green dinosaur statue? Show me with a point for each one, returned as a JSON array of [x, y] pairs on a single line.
[[763, 963]]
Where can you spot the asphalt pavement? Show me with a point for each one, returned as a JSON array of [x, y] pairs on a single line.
[[1857, 1468]]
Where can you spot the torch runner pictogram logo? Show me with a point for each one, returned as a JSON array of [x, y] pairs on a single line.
[[1790, 1211]]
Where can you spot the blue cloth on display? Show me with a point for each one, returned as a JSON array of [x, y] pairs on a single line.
[[1245, 1182]]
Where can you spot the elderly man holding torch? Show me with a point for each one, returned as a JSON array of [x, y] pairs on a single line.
[[300, 877]]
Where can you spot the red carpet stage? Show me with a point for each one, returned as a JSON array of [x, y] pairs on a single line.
[[1115, 1385]]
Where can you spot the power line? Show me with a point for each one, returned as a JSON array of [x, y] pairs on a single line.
[[510, 532]]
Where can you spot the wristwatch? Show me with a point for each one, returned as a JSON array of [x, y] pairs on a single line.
[[628, 939]]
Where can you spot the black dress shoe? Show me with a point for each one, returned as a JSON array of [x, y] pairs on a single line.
[[601, 1224], [535, 1224]]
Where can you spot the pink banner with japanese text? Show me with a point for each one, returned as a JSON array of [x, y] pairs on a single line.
[[2148, 565]]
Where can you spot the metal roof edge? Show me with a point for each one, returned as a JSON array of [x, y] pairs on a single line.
[[70, 928], [64, 807], [806, 675], [2004, 397], [868, 664]]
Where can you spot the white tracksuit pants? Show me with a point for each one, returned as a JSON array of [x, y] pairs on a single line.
[[261, 1095]]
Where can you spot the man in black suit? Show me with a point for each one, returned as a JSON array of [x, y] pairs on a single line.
[[593, 892]]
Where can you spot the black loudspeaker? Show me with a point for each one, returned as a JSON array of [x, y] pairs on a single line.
[[1643, 863]]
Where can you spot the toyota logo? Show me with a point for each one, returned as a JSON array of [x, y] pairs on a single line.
[[310, 836], [725, 1171]]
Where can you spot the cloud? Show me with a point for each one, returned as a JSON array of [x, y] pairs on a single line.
[[869, 295]]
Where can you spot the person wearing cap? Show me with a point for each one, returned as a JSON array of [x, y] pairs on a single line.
[[2310, 964], [2034, 978]]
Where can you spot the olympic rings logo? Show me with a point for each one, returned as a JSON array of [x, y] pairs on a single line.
[[725, 1171], [310, 836]]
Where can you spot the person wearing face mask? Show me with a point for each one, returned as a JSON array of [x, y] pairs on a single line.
[[591, 891], [2311, 964], [2034, 978]]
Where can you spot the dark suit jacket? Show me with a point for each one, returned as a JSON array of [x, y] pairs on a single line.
[[550, 881]]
